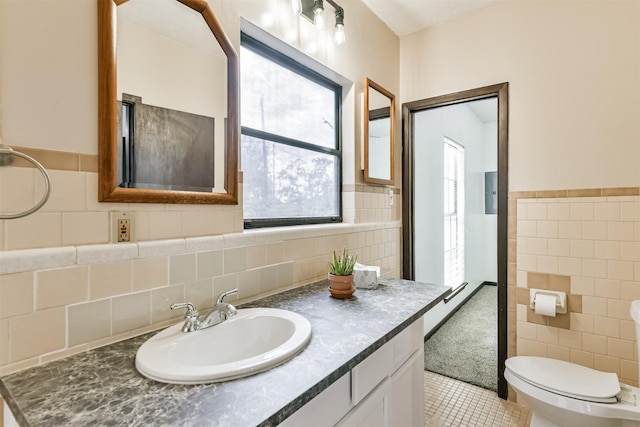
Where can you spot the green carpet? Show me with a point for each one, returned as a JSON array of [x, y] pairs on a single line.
[[465, 347]]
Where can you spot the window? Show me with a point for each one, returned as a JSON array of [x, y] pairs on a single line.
[[453, 213], [290, 143]]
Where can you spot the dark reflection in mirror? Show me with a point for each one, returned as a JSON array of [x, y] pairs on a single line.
[[185, 160], [378, 134]]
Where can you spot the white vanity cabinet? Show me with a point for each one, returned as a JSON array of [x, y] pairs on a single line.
[[385, 389], [7, 420]]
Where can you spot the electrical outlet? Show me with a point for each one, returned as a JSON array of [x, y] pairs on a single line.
[[121, 227], [124, 230], [390, 197]]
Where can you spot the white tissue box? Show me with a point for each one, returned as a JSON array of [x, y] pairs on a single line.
[[366, 277]]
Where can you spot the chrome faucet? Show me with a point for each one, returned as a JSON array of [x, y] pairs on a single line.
[[220, 312]]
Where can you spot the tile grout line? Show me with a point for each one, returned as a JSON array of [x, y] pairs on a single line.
[[450, 402]]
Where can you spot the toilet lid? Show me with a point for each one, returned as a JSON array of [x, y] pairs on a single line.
[[566, 379]]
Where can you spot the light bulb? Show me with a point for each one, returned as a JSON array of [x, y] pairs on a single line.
[[339, 34], [318, 18], [296, 6]]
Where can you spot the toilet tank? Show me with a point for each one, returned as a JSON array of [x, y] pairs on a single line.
[[635, 311], [635, 315]]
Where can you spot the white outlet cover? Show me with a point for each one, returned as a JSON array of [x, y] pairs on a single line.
[[113, 225]]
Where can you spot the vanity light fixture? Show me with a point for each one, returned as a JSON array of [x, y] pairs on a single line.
[[296, 6], [313, 10], [318, 14], [339, 34]]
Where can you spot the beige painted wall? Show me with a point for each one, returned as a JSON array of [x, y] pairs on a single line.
[[58, 86], [573, 69], [63, 287]]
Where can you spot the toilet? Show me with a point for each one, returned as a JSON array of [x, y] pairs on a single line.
[[565, 394]]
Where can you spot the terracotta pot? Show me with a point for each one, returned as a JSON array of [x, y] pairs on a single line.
[[341, 286]]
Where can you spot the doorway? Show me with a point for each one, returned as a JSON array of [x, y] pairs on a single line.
[[410, 208]]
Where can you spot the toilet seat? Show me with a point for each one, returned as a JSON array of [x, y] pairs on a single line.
[[566, 379]]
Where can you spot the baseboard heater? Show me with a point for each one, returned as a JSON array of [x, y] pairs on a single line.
[[456, 292]]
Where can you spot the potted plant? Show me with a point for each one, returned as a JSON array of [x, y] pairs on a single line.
[[341, 274]]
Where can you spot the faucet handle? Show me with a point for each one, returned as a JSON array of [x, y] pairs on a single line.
[[191, 309], [226, 294]]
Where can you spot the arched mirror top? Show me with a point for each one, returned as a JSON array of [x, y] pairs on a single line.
[[168, 123], [379, 119]]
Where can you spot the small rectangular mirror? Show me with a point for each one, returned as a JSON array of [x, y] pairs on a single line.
[[379, 119]]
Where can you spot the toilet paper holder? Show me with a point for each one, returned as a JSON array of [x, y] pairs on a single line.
[[561, 299]]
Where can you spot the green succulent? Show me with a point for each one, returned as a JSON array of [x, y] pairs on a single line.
[[342, 265]]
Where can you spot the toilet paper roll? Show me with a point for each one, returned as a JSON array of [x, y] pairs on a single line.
[[545, 305]]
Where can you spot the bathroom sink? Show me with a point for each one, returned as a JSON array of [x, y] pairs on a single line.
[[254, 340]]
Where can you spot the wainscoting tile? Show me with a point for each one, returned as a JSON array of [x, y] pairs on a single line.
[[150, 273], [68, 192], [89, 322], [17, 186], [182, 269], [35, 259], [161, 247], [561, 321], [574, 303], [209, 264], [37, 333], [164, 225], [533, 317], [606, 327], [61, 287], [234, 260], [92, 254], [16, 294], [130, 312], [161, 300], [40, 230], [200, 293], [207, 243], [109, 279]]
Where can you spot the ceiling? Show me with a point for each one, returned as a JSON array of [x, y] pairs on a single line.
[[486, 109], [408, 16]]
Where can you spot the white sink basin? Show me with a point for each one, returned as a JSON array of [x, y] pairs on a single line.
[[255, 340]]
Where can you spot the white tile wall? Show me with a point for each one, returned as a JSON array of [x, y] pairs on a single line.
[[57, 266], [57, 301]]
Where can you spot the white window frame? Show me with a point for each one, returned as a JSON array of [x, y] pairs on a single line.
[[453, 178]]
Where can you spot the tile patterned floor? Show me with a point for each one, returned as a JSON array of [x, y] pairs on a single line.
[[450, 402]]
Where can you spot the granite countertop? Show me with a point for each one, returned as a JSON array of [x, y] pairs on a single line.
[[102, 386]]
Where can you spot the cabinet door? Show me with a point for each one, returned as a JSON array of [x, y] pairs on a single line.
[[373, 411], [406, 403], [406, 343], [366, 375], [7, 416]]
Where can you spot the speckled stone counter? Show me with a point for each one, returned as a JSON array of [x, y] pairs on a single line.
[[102, 386]]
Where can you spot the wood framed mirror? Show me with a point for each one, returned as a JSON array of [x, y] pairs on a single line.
[[379, 119], [168, 123]]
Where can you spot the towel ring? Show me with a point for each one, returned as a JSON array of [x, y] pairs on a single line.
[[5, 159]]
